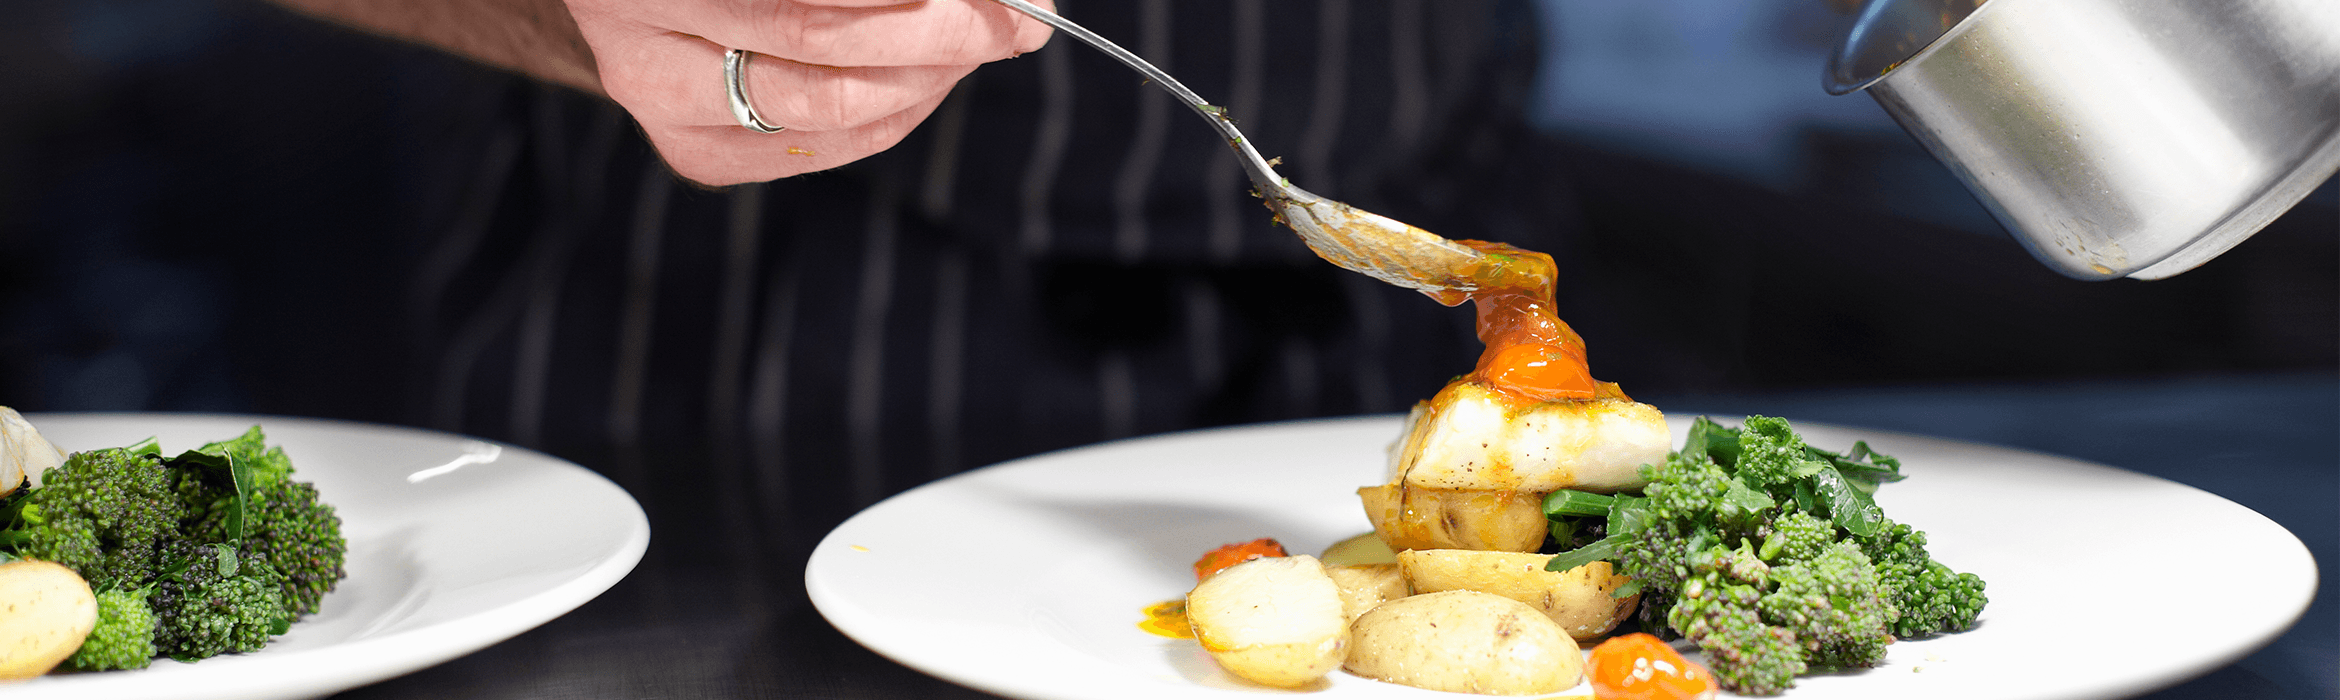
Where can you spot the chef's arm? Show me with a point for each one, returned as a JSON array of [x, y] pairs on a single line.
[[536, 37]]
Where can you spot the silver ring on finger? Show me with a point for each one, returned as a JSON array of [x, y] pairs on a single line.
[[735, 84]]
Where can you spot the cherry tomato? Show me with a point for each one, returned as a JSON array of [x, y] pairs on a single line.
[[1640, 667], [1237, 553]]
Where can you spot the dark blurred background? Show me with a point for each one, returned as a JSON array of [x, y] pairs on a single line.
[[205, 206], [181, 180]]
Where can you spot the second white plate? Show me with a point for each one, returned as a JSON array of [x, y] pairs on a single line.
[[1027, 579], [454, 544]]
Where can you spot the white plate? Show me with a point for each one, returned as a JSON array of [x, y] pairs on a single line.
[[1027, 579], [454, 544]]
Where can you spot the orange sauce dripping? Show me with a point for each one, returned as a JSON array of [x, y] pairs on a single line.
[[1531, 354], [1167, 619]]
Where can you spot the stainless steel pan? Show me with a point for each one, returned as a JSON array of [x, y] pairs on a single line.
[[2136, 138]]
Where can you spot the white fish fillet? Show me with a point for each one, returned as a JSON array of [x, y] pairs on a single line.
[[1472, 438]]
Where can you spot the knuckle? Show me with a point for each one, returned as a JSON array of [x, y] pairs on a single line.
[[810, 33], [826, 99]]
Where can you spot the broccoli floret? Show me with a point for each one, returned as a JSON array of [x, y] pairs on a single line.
[[103, 513], [1655, 614], [1797, 536], [1657, 556], [1762, 626], [1932, 599], [1771, 454], [124, 636], [219, 603], [300, 536], [1834, 605], [295, 533], [1899, 551], [1718, 611], [1690, 503], [1940, 601], [282, 521], [1696, 491], [1740, 565]]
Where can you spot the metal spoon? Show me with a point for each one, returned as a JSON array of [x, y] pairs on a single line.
[[1378, 246]]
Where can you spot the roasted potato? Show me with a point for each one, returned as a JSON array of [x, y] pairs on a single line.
[[1411, 517], [1464, 642], [46, 610], [1362, 549], [1366, 585], [1274, 621], [1578, 599]]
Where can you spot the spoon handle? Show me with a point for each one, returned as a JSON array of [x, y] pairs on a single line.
[[1262, 175], [1377, 246]]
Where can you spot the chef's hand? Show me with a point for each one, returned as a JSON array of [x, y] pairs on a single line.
[[847, 78]]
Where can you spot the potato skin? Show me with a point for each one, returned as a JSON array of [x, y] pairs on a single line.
[[1411, 517], [1578, 599], [1364, 586], [1464, 642], [1275, 621], [48, 610]]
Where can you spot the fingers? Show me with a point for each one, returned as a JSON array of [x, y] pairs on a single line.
[[677, 79], [848, 78], [729, 155], [862, 3], [847, 33]]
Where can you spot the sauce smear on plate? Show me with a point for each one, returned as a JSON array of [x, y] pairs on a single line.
[[1168, 619]]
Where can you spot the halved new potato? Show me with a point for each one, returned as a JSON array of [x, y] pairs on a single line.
[[1464, 642], [1362, 549], [1364, 586], [46, 611], [1578, 599], [1274, 621]]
